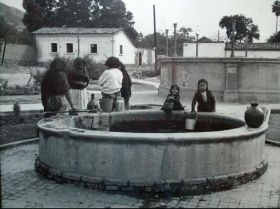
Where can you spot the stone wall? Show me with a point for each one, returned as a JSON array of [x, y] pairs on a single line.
[[230, 79], [19, 54]]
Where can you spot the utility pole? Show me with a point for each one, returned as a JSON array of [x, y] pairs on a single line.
[[78, 40], [246, 46], [232, 38], [155, 37], [175, 40], [166, 42], [4, 50], [196, 52]]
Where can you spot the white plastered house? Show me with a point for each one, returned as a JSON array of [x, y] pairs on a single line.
[[98, 43]]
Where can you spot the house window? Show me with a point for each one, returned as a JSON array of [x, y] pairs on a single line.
[[93, 48], [121, 49], [69, 47], [54, 47]]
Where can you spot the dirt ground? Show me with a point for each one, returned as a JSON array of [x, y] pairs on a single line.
[[15, 128]]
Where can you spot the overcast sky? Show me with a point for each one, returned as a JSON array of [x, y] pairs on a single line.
[[202, 16]]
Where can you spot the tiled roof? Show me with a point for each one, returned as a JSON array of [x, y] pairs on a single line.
[[254, 46], [66, 30]]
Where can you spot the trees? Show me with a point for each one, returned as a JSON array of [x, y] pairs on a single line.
[[76, 13], [12, 35], [183, 36], [274, 38], [276, 10], [244, 27]]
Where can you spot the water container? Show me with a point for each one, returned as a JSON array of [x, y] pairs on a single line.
[[119, 104], [190, 122]]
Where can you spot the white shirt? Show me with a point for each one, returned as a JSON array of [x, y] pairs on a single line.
[[110, 81]]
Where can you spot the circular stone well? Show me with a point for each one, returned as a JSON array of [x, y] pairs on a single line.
[[149, 150]]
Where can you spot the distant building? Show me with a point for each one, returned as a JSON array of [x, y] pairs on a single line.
[[98, 43], [220, 49]]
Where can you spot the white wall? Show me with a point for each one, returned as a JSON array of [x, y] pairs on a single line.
[[107, 45], [204, 50], [255, 53], [129, 50], [43, 42], [148, 56], [218, 50], [104, 46]]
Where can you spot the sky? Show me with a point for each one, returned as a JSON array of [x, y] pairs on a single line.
[[203, 16]]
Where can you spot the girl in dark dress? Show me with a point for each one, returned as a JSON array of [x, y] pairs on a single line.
[[172, 101], [204, 98]]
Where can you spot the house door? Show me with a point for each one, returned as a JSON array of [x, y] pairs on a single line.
[[140, 59]]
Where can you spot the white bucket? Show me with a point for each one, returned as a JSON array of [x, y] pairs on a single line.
[[190, 124]]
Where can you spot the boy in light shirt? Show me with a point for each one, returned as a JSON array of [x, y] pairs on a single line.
[[110, 83]]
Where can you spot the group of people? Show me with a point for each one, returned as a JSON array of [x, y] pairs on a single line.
[[203, 98], [62, 89]]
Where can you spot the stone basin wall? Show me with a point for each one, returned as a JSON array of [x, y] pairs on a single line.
[[240, 80], [218, 159]]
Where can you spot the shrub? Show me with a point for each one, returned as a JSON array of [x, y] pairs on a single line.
[[95, 69], [3, 86], [16, 108]]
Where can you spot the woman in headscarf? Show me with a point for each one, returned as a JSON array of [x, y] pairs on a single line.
[[55, 89]]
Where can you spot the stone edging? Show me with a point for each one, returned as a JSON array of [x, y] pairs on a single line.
[[271, 142], [18, 143], [192, 187]]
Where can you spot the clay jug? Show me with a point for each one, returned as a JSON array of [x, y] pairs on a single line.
[[92, 104], [254, 115]]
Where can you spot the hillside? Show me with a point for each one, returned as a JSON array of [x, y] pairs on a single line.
[[12, 16]]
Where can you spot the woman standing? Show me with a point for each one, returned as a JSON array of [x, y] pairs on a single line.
[[78, 79], [55, 89]]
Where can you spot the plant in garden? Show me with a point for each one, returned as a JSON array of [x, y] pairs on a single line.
[[3, 86], [95, 69], [16, 108]]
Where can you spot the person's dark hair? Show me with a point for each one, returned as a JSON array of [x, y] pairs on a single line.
[[174, 86], [58, 64], [122, 66], [77, 61], [204, 81], [112, 62]]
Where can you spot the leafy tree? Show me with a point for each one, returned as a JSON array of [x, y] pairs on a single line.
[[184, 33], [182, 37], [276, 10], [205, 40], [113, 13], [244, 27], [274, 38], [73, 13], [12, 35], [76, 13]]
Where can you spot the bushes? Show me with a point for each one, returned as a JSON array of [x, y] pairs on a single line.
[[20, 90], [95, 69], [3, 86]]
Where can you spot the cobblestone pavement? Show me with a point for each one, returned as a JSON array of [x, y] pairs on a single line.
[[22, 187], [273, 132]]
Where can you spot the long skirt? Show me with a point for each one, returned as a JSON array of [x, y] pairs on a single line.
[[79, 98]]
